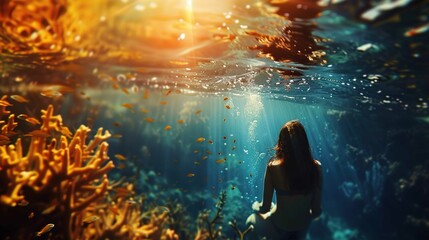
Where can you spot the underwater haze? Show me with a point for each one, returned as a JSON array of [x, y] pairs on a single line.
[[182, 102]]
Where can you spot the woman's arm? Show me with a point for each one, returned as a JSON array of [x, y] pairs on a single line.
[[316, 201], [268, 192]]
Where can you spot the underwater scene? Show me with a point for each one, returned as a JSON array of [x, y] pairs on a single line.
[[155, 119]]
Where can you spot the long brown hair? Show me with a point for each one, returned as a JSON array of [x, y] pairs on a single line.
[[293, 147]]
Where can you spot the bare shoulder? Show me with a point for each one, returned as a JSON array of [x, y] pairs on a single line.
[[317, 163]]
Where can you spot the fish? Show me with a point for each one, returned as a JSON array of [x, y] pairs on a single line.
[[149, 120], [208, 152], [168, 92], [167, 128], [45, 229], [22, 116], [224, 137], [163, 102], [115, 86], [200, 139], [198, 112], [144, 110], [204, 157], [210, 141], [131, 202], [23, 203], [116, 124], [227, 107], [127, 105], [195, 151], [49, 210], [197, 163], [32, 120], [50, 93], [90, 219], [146, 94], [117, 135], [232, 187], [19, 98], [120, 157], [417, 30], [226, 98], [190, 174], [5, 103], [233, 148], [221, 160], [123, 192], [121, 166], [31, 215], [124, 90], [180, 121], [235, 141]]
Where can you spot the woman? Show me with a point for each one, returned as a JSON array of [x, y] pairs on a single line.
[[297, 179]]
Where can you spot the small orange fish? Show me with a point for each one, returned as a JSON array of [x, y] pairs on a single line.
[[5, 103], [167, 128], [146, 94], [149, 120], [37, 133], [168, 92], [163, 102], [117, 135], [210, 141], [127, 105], [51, 93], [195, 151], [90, 219], [45, 229], [120, 157], [124, 90], [204, 157], [33, 121], [22, 116], [121, 166], [116, 124], [144, 110], [115, 86], [190, 175], [227, 106], [208, 152], [19, 98], [31, 216], [49, 210], [198, 112], [200, 139], [222, 160], [180, 121], [226, 98]]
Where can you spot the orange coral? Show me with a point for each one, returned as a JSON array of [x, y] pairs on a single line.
[[70, 174]]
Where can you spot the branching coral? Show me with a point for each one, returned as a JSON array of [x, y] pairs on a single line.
[[206, 226], [241, 234], [69, 173]]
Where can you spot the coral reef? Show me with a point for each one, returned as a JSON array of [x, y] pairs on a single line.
[[60, 181]]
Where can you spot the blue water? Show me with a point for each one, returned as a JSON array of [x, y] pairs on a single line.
[[365, 113]]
